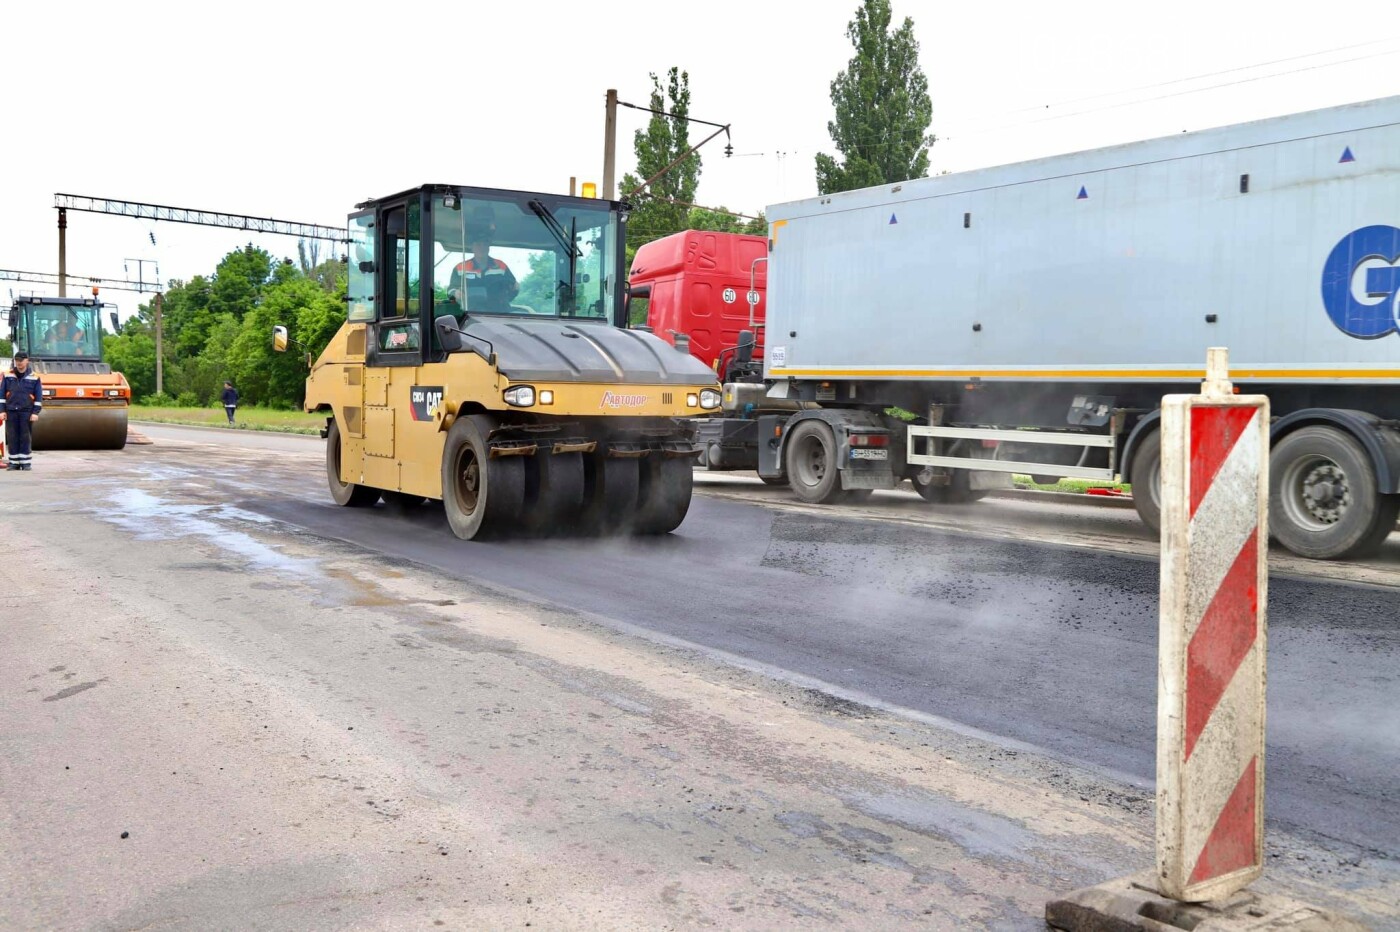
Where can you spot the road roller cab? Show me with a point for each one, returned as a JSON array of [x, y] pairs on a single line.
[[485, 363], [85, 402]]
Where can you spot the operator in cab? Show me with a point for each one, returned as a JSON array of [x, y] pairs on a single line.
[[65, 338], [483, 283]]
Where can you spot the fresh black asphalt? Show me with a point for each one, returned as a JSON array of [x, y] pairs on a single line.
[[1042, 644]]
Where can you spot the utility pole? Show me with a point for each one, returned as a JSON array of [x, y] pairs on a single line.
[[141, 273], [156, 306], [63, 252], [160, 356], [610, 147]]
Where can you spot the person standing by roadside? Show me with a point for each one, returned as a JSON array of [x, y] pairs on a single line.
[[23, 396], [230, 398]]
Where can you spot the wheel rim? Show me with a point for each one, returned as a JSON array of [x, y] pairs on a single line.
[[467, 473], [810, 461], [1316, 493]]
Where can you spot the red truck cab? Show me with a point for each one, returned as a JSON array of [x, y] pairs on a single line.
[[697, 284]]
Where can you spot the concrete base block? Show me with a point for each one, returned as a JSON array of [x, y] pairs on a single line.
[[1132, 904]]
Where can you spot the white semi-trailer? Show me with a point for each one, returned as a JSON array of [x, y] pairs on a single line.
[[1029, 318]]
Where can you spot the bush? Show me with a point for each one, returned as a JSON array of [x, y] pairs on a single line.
[[187, 400], [156, 400]]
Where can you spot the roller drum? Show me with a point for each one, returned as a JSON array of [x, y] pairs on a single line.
[[72, 427]]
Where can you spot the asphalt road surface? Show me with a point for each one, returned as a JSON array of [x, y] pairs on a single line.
[[1004, 654], [1046, 645]]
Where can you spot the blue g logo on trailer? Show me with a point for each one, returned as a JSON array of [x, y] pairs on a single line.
[[1361, 283]]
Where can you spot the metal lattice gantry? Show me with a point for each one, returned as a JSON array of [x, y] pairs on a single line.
[[50, 278], [209, 218]]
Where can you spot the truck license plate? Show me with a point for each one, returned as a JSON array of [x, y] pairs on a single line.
[[859, 454]]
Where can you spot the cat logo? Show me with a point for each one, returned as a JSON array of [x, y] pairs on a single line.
[[424, 401]]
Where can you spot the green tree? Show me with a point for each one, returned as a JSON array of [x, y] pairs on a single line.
[[133, 353], [310, 315], [882, 107], [239, 281], [203, 374], [7, 348], [721, 221], [663, 141], [330, 275], [187, 317], [537, 288]]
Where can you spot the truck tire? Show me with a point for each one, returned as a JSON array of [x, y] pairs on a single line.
[[958, 491], [347, 494], [809, 459], [1147, 481], [1324, 502], [482, 497], [664, 493]]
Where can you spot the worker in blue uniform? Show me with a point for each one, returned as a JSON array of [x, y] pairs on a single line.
[[24, 397]]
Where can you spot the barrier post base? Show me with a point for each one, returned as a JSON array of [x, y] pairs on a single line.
[[1132, 904]]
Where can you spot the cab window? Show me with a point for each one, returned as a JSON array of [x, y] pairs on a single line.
[[399, 330], [359, 290], [526, 257]]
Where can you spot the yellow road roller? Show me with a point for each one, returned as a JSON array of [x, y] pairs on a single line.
[[85, 402], [486, 362]]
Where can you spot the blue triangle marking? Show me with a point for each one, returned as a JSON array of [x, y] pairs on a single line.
[[1347, 156], [892, 219], [1083, 194]]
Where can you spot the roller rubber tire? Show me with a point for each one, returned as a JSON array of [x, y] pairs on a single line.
[[610, 493], [1147, 481], [809, 456], [664, 492], [553, 492], [482, 497], [347, 494], [1323, 459]]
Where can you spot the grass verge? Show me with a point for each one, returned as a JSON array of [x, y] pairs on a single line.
[[286, 422], [1074, 486]]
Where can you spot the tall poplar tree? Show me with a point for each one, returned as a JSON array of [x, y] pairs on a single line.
[[882, 107], [658, 145]]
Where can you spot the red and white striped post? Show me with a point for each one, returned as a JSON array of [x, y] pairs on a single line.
[[1210, 701]]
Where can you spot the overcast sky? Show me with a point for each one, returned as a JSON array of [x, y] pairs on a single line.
[[298, 110]]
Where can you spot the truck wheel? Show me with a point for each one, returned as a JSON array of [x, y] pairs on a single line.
[[956, 492], [663, 497], [810, 462], [1324, 501], [481, 496], [345, 493], [1147, 481], [610, 493], [553, 492]]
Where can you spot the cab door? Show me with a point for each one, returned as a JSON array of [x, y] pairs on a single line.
[[360, 292], [396, 346]]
